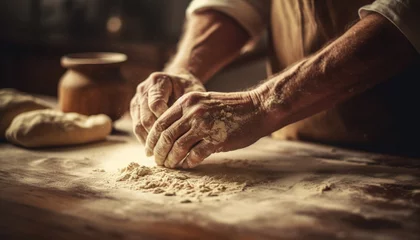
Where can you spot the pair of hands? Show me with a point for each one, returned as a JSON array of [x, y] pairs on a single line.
[[181, 124]]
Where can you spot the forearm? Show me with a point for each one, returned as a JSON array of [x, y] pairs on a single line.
[[370, 52], [211, 41]]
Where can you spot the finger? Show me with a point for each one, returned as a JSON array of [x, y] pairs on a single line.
[[177, 90], [181, 147], [167, 139], [138, 129], [159, 95], [147, 118], [167, 119], [140, 132], [198, 153]]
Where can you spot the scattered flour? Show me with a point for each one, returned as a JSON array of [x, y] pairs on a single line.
[[326, 188], [224, 124], [189, 186], [218, 132]]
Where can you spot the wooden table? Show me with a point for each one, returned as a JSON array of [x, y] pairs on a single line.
[[315, 192]]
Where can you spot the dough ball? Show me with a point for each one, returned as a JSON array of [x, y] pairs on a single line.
[[13, 103], [46, 128]]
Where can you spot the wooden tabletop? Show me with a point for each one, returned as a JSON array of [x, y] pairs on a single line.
[[315, 192]]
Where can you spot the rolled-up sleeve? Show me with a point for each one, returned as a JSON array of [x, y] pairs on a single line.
[[405, 14], [252, 15]]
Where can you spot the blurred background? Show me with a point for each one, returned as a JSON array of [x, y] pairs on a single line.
[[36, 33]]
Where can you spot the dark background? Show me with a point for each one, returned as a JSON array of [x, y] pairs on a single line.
[[35, 34]]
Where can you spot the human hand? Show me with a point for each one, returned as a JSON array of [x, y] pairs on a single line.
[[199, 124], [153, 97]]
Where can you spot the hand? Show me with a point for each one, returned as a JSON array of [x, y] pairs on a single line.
[[155, 95], [199, 124]]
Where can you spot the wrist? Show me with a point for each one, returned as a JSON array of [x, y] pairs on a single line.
[[258, 97], [269, 103], [184, 73]]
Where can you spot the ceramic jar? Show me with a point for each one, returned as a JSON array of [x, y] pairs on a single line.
[[93, 84]]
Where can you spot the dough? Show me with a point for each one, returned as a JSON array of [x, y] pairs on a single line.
[[13, 103], [45, 128]]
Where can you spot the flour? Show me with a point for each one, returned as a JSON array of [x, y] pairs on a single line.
[[326, 188], [218, 132], [273, 102], [188, 186], [224, 124]]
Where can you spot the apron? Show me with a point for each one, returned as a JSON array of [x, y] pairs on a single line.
[[379, 119]]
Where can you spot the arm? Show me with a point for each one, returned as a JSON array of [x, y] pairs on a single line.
[[368, 53], [200, 124], [211, 41]]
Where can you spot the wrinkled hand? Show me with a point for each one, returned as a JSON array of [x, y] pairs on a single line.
[[155, 95], [199, 124]]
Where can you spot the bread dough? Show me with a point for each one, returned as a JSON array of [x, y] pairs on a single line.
[[13, 103], [45, 128]]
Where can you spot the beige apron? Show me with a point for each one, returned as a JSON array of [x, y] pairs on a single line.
[[372, 120]]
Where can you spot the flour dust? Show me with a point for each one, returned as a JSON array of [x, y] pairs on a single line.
[[188, 186]]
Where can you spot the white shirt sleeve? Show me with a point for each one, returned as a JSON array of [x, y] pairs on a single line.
[[252, 15], [405, 14]]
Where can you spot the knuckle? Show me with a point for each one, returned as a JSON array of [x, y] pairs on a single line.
[[140, 88], [155, 75], [159, 76], [159, 126], [147, 121], [179, 148], [200, 109], [156, 104], [155, 92], [200, 122], [179, 145], [191, 98], [167, 137]]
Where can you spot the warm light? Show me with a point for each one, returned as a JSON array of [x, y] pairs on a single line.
[[114, 24], [122, 155]]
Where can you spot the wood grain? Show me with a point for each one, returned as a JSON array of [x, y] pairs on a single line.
[[56, 194]]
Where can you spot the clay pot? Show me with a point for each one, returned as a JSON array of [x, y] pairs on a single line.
[[93, 84]]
